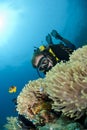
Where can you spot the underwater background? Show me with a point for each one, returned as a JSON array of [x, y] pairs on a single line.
[[23, 26]]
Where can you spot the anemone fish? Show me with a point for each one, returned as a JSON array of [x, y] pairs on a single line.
[[12, 89]]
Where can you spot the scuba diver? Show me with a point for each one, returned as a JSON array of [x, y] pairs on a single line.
[[45, 57]]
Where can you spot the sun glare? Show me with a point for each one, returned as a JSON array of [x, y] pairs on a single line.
[[2, 22], [9, 18]]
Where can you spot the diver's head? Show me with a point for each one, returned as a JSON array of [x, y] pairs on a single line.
[[42, 62]]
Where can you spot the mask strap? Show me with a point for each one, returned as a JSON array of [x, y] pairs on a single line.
[[38, 72]]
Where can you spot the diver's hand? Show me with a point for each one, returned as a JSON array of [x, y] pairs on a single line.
[[55, 34], [49, 39]]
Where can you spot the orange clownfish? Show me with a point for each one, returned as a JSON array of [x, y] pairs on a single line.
[[12, 89]]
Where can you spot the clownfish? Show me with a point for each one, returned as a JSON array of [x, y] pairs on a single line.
[[12, 89]]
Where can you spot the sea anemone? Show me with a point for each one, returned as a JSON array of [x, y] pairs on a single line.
[[64, 89], [33, 102], [67, 85]]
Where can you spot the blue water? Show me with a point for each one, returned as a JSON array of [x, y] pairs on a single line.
[[23, 25]]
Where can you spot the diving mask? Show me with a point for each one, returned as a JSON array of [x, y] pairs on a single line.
[[43, 64]]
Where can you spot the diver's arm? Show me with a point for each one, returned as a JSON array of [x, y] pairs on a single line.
[[49, 40], [55, 34], [68, 43]]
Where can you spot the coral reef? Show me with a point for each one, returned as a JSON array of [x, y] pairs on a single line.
[[64, 89], [62, 123], [12, 124]]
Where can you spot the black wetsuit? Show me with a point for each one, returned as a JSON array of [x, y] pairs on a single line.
[[61, 51]]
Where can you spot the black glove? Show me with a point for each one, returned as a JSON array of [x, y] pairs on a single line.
[[55, 34]]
